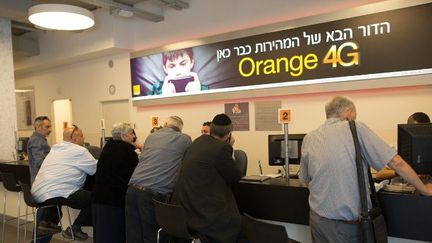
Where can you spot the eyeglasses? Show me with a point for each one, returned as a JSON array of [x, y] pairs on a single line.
[[75, 127]]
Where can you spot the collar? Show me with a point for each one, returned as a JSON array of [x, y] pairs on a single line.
[[333, 120], [39, 135]]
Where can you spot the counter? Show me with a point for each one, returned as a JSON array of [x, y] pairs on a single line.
[[19, 168], [407, 216]]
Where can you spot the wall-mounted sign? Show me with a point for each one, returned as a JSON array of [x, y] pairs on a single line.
[[239, 115], [370, 46], [25, 106], [154, 121]]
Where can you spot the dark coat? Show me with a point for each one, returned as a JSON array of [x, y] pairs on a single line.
[[115, 166], [204, 190]]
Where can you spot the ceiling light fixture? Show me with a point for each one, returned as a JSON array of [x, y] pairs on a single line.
[[61, 17]]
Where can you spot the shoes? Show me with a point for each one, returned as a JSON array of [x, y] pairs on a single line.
[[77, 233], [46, 227]]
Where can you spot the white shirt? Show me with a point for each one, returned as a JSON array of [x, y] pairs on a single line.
[[63, 171]]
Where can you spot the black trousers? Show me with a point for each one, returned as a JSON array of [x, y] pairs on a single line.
[[108, 224], [80, 199]]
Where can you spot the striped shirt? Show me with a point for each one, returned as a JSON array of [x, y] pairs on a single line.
[[328, 167]]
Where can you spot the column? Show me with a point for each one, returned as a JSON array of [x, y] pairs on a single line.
[[8, 115]]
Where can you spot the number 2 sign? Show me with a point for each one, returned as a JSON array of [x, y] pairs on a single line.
[[284, 116]]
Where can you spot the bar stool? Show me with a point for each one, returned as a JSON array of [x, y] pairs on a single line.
[[28, 198], [10, 184], [172, 219]]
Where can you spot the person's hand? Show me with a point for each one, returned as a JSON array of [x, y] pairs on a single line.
[[168, 87], [195, 85], [231, 140], [428, 191]]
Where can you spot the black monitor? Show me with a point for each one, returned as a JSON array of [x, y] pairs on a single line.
[[415, 146], [22, 145], [276, 149]]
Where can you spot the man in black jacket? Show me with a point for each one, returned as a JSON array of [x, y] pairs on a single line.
[[204, 185]]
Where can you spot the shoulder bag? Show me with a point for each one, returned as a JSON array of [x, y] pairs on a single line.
[[372, 223]]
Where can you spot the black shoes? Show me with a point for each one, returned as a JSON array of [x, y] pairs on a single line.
[[45, 228], [77, 233]]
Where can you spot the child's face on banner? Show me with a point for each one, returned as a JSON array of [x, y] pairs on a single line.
[[179, 67]]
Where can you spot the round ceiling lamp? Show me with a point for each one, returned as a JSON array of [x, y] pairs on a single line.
[[61, 17]]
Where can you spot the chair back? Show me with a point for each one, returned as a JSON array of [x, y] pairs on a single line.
[[95, 151], [258, 231], [172, 219], [9, 182], [241, 158], [28, 198]]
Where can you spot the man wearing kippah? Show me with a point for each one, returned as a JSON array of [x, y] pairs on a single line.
[[204, 185]]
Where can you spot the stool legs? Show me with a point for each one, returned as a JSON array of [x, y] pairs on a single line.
[[18, 217], [4, 215], [25, 225]]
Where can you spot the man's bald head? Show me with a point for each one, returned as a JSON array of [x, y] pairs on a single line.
[[73, 135]]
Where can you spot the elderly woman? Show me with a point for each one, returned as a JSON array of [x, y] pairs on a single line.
[[115, 167]]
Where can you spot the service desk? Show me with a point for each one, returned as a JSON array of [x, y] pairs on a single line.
[[274, 199], [407, 216]]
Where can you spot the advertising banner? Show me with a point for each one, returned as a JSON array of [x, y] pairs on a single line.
[[382, 43]]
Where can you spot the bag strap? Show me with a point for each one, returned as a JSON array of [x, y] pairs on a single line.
[[373, 195], [360, 173]]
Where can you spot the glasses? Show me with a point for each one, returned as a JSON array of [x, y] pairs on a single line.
[[75, 128]]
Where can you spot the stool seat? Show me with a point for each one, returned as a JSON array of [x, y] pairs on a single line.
[[9, 182]]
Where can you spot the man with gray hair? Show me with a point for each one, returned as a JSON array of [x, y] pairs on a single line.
[[328, 167], [154, 177], [37, 146]]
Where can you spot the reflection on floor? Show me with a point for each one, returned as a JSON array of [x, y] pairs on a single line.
[[10, 234]]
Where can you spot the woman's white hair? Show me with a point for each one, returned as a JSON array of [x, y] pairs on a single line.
[[338, 105], [174, 122], [120, 129]]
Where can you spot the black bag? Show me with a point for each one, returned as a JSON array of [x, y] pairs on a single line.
[[372, 223]]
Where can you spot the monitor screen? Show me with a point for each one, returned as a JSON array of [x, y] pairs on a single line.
[[415, 146], [276, 149], [22, 144]]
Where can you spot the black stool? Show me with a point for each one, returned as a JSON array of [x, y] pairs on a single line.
[[10, 184], [28, 198], [172, 219]]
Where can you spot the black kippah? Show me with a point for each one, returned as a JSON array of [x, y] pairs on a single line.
[[221, 120]]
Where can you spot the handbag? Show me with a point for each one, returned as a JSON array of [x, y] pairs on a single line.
[[372, 223]]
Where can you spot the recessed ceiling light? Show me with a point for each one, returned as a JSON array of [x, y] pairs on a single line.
[[61, 17]]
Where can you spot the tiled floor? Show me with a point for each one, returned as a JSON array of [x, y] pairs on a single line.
[[10, 234]]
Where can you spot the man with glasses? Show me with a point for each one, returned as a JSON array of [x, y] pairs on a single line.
[[62, 176]]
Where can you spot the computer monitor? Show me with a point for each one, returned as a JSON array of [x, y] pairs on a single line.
[[22, 144], [276, 149], [415, 146]]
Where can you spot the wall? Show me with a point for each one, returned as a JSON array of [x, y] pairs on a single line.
[[86, 84]]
